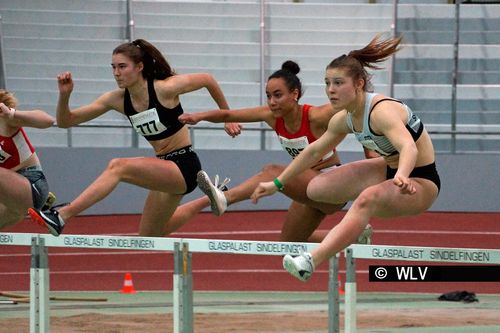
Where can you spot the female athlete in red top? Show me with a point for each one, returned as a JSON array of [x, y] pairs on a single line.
[[22, 182]]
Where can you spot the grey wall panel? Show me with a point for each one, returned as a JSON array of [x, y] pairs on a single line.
[[470, 181]]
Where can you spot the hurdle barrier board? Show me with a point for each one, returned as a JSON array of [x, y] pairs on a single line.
[[182, 250], [405, 253]]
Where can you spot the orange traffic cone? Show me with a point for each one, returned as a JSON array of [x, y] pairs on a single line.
[[341, 288], [128, 286]]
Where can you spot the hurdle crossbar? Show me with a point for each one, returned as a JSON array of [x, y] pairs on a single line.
[[405, 253], [182, 248]]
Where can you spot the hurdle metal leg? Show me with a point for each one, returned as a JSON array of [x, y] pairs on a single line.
[[183, 289], [333, 295], [350, 293], [39, 287]]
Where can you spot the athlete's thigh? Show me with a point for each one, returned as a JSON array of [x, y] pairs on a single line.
[[158, 209], [301, 221], [154, 174], [347, 181], [297, 191], [15, 191], [9, 217], [296, 188], [391, 202]]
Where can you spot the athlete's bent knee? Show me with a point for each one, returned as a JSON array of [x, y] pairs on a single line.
[[316, 191], [312, 192], [272, 170], [120, 168], [117, 165], [368, 199]]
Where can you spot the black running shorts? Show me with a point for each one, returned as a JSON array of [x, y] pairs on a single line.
[[38, 183], [426, 172], [189, 164]]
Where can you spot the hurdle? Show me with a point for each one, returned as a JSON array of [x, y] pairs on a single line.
[[404, 253], [182, 249]]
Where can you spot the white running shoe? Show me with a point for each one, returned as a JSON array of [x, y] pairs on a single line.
[[366, 236], [218, 201], [301, 266]]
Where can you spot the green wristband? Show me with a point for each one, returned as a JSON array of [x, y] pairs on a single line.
[[278, 184]]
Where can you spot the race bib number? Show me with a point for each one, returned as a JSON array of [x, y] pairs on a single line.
[[294, 146], [147, 122], [4, 156]]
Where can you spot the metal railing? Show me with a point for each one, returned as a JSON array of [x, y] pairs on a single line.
[[263, 130], [3, 75]]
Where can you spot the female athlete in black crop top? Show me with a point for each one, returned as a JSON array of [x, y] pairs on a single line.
[[157, 122], [148, 94]]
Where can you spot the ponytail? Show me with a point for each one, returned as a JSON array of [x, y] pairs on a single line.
[[155, 64], [356, 61], [376, 51]]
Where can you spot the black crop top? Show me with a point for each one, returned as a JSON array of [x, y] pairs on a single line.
[[157, 122]]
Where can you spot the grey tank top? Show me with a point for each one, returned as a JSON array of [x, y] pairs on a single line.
[[380, 143]]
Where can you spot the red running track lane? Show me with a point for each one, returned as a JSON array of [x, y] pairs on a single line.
[[89, 269]]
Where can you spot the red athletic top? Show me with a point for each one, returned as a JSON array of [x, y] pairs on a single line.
[[15, 149], [294, 143]]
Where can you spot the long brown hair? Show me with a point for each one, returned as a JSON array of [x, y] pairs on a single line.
[[155, 64], [369, 56]]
